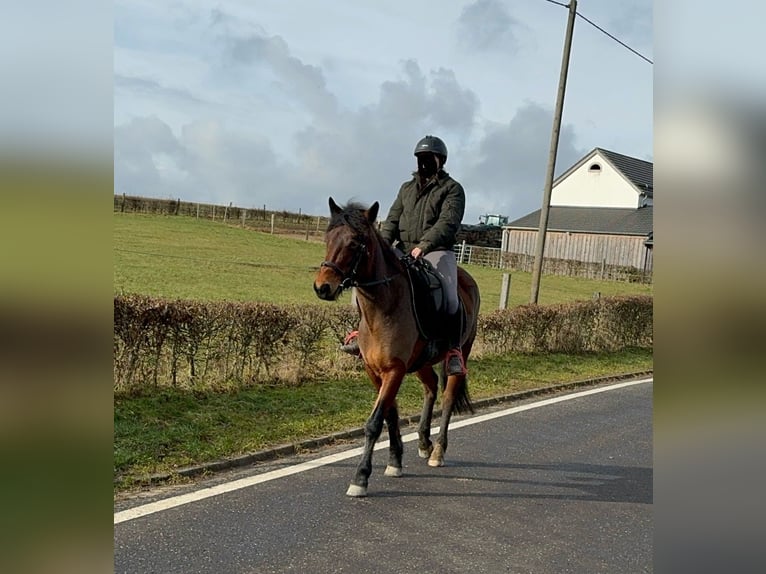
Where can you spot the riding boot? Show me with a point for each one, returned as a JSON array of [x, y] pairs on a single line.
[[454, 358], [351, 344]]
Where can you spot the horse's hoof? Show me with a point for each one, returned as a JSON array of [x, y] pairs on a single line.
[[437, 456], [356, 491], [425, 453], [394, 471]]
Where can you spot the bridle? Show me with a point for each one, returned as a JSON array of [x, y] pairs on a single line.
[[349, 279]]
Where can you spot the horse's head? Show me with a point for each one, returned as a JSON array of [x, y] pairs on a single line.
[[348, 240]]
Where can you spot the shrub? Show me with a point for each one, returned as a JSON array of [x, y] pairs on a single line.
[[190, 344]]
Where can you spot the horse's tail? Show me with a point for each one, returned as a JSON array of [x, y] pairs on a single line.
[[462, 401]]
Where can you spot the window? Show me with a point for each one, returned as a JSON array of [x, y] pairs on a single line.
[[594, 168]]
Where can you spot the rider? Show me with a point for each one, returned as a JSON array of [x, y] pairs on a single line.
[[424, 219]]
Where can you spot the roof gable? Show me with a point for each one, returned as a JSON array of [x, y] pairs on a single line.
[[638, 173]]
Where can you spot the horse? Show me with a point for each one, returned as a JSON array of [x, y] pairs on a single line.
[[391, 344]]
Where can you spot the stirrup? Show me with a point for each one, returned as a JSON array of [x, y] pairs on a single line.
[[455, 362], [351, 344]]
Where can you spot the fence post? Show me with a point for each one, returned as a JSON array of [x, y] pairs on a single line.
[[272, 224], [308, 223], [244, 215], [505, 291], [603, 266], [462, 251]]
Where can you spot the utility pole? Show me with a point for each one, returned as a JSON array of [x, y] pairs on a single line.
[[540, 246]]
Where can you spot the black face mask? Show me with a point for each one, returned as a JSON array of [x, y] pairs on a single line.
[[427, 165]]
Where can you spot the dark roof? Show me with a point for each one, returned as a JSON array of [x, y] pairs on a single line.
[[612, 220], [638, 171]]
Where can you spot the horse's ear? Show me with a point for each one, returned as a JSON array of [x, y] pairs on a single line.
[[372, 213], [334, 209]]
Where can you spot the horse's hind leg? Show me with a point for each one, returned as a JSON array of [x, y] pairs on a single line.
[[454, 398], [430, 383]]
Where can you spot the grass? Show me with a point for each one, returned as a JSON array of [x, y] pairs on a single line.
[[187, 258]]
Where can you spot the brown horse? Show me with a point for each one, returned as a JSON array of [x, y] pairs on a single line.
[[391, 344]]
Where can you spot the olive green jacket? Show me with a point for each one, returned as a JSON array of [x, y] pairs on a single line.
[[428, 218]]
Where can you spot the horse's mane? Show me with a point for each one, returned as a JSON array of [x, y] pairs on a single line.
[[352, 214]]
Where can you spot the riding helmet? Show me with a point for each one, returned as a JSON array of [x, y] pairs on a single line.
[[431, 144]]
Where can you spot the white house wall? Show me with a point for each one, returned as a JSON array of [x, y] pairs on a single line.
[[606, 188]]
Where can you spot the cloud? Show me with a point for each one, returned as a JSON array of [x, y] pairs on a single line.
[[364, 154], [486, 25], [633, 23], [137, 146], [205, 162], [451, 105], [508, 171], [302, 82], [152, 88]]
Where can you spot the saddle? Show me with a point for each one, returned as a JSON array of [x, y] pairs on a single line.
[[430, 307], [428, 298]]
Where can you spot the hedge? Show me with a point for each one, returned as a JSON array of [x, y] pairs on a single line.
[[227, 345]]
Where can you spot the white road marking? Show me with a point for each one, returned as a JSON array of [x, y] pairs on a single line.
[[174, 501]]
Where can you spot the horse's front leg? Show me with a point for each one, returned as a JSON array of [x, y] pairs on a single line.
[[372, 430], [384, 406], [430, 382], [395, 445]]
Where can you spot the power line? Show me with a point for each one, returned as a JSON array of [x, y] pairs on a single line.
[[600, 29], [613, 38]]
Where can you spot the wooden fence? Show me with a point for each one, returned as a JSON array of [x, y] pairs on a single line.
[[279, 222], [497, 258]]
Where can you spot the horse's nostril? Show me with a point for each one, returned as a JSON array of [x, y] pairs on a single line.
[[323, 291]]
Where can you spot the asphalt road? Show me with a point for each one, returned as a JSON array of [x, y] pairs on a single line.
[[563, 487]]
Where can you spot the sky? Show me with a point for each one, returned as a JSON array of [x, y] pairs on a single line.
[[284, 104]]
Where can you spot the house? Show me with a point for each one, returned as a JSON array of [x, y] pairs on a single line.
[[601, 215]]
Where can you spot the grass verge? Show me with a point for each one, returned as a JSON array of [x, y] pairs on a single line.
[[159, 432]]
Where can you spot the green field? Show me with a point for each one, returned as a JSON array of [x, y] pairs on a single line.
[[186, 258]]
